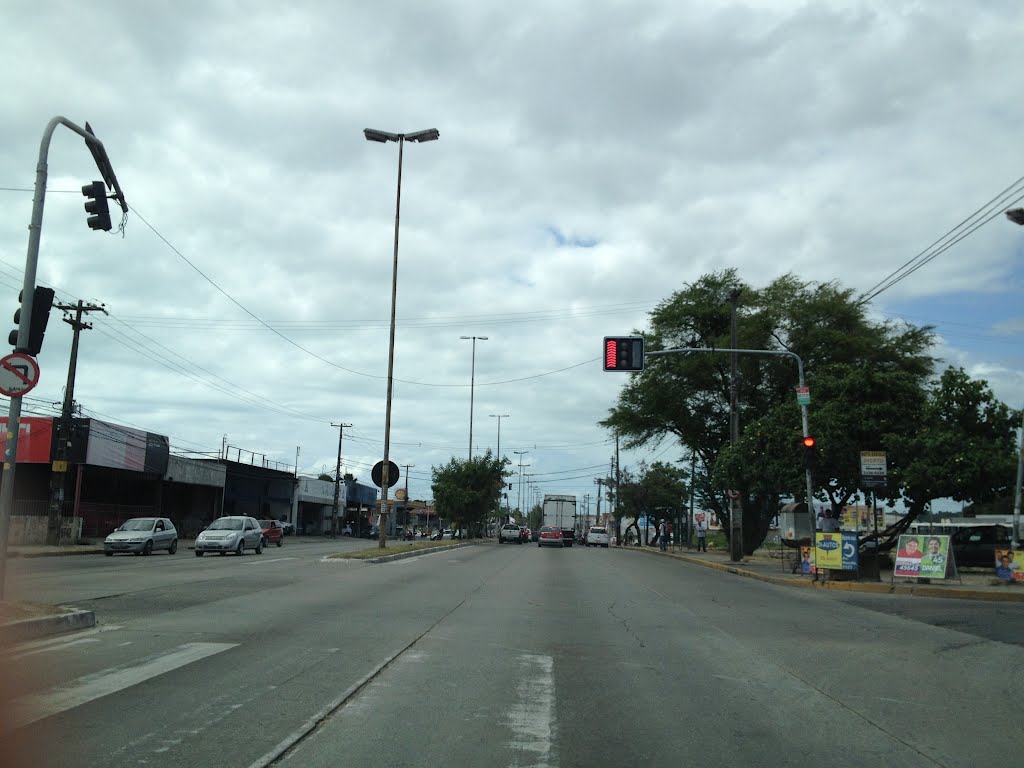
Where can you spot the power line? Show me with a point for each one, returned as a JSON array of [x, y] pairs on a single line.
[[989, 210]]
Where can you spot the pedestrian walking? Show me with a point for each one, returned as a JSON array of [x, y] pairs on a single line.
[[663, 535], [702, 534]]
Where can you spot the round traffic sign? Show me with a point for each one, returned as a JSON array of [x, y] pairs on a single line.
[[19, 373], [377, 474]]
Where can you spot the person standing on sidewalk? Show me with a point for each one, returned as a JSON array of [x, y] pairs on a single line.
[[663, 535], [702, 533]]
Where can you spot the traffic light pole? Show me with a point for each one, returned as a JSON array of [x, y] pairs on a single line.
[[35, 229], [805, 422]]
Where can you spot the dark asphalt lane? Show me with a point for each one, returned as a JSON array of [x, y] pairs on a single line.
[[516, 656]]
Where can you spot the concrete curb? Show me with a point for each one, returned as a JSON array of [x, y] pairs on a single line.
[[42, 626], [414, 553], [918, 590], [59, 553]]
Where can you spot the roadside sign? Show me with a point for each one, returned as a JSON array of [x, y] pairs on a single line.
[[377, 474], [19, 373], [803, 395], [873, 469]]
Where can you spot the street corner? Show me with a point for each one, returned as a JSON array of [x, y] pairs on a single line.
[[22, 626]]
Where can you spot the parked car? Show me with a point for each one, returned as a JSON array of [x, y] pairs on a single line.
[[550, 537], [597, 536], [346, 530], [510, 533], [273, 532], [977, 545], [235, 533], [142, 536], [524, 533], [287, 528]]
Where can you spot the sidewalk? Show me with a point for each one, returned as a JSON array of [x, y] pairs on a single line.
[[975, 586]]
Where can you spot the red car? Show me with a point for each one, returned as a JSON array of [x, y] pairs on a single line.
[[273, 533], [550, 537], [524, 534]]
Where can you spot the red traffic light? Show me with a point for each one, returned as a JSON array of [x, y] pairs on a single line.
[[809, 442], [624, 353]]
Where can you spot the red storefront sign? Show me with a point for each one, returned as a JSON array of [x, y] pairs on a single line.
[[35, 439]]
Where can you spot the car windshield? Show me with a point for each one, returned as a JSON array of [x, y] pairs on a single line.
[[225, 524], [139, 524]]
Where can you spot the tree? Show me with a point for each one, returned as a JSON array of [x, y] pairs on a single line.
[[658, 489], [867, 379], [963, 447], [468, 491]]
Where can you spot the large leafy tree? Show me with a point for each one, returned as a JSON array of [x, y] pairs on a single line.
[[468, 491], [658, 489], [961, 448], [866, 377]]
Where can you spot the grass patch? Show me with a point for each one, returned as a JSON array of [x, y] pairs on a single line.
[[393, 548], [13, 611]]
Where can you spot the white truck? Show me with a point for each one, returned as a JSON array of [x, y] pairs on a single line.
[[560, 512]]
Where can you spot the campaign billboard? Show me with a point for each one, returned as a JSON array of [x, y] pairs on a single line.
[[836, 551], [923, 556], [1008, 568]]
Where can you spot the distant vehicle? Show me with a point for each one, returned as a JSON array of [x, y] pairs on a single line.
[[550, 536], [510, 533], [597, 536], [560, 512], [977, 545], [142, 536], [524, 533], [347, 530], [286, 527], [235, 533], [273, 532]]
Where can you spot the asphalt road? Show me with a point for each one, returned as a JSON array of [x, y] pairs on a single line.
[[502, 656]]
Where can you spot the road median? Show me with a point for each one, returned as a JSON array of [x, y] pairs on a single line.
[[760, 570]]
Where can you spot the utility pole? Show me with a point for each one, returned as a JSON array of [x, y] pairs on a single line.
[[693, 493], [337, 481], [406, 505], [618, 533], [58, 477], [735, 505], [519, 496], [597, 511]]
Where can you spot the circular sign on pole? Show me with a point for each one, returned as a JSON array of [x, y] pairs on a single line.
[[377, 474], [400, 494], [19, 373]]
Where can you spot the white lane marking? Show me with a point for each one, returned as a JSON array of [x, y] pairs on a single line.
[[28, 709], [532, 717], [273, 560], [49, 648], [21, 647]]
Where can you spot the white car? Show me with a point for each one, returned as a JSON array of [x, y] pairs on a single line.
[[235, 533], [142, 536], [597, 536], [510, 533]]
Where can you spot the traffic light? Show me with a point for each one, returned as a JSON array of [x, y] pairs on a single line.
[[810, 451], [97, 206], [624, 353], [42, 300]]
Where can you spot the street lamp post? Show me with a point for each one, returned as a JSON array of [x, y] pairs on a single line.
[[499, 417], [472, 379], [372, 134], [519, 495], [1016, 215]]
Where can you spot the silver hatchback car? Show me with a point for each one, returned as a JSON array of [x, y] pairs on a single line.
[[235, 533], [142, 536]]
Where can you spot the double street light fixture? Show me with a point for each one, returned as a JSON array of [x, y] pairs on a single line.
[[472, 379], [499, 417], [372, 134]]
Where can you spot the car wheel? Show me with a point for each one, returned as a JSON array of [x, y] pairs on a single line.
[[199, 553], [280, 542], [259, 547], [109, 554], [173, 548], [240, 549], [148, 549], [222, 553]]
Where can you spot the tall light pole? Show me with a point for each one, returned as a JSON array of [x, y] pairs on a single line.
[[499, 417], [472, 379], [372, 134], [519, 496], [1016, 215]]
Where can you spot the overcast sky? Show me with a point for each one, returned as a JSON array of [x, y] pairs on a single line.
[[594, 157]]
